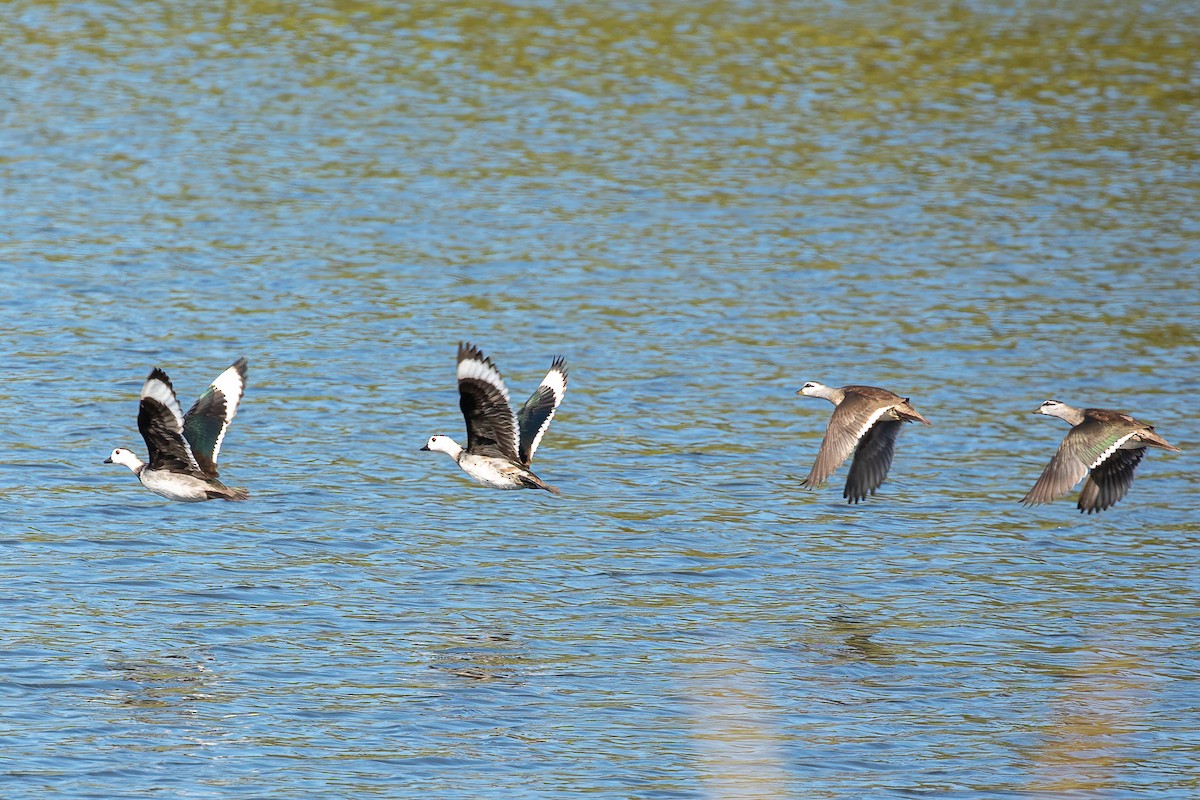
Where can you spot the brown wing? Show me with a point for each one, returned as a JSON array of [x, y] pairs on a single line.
[[872, 460], [1065, 469], [1109, 481]]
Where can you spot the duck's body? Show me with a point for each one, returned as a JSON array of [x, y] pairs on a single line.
[[180, 486], [183, 448], [1105, 446], [866, 421], [492, 471], [500, 445]]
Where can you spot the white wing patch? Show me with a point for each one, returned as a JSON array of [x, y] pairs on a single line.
[[871, 420], [231, 386], [556, 382], [157, 390], [473, 368], [1114, 447]]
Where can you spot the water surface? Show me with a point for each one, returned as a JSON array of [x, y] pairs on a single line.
[[701, 206]]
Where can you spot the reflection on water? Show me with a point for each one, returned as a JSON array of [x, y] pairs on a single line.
[[1094, 725], [734, 726], [701, 206]]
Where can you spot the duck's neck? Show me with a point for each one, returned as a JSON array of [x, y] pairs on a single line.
[[453, 449], [831, 394], [1072, 415], [135, 464]]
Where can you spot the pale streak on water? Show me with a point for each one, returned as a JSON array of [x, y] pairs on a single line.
[[701, 207]]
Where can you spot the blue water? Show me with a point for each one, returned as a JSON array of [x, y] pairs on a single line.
[[700, 207]]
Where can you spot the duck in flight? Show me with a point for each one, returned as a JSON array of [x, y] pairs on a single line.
[[1104, 445], [500, 444], [183, 448], [866, 421]]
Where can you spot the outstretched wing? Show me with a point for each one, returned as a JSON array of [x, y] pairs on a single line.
[[483, 398], [534, 417], [850, 421], [207, 421], [872, 460], [1110, 480], [1065, 470], [161, 422]]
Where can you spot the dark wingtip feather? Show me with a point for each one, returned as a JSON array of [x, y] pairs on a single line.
[[157, 374], [467, 350], [855, 498]]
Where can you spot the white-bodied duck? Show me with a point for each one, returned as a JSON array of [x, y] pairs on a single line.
[[500, 444], [183, 448]]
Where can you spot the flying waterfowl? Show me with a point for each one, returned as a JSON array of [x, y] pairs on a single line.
[[1104, 445], [866, 421], [500, 445], [183, 448]]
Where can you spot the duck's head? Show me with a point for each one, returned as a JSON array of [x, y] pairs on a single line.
[[124, 457], [813, 389], [1052, 408], [442, 444]]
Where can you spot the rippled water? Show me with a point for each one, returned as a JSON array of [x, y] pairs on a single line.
[[701, 206]]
